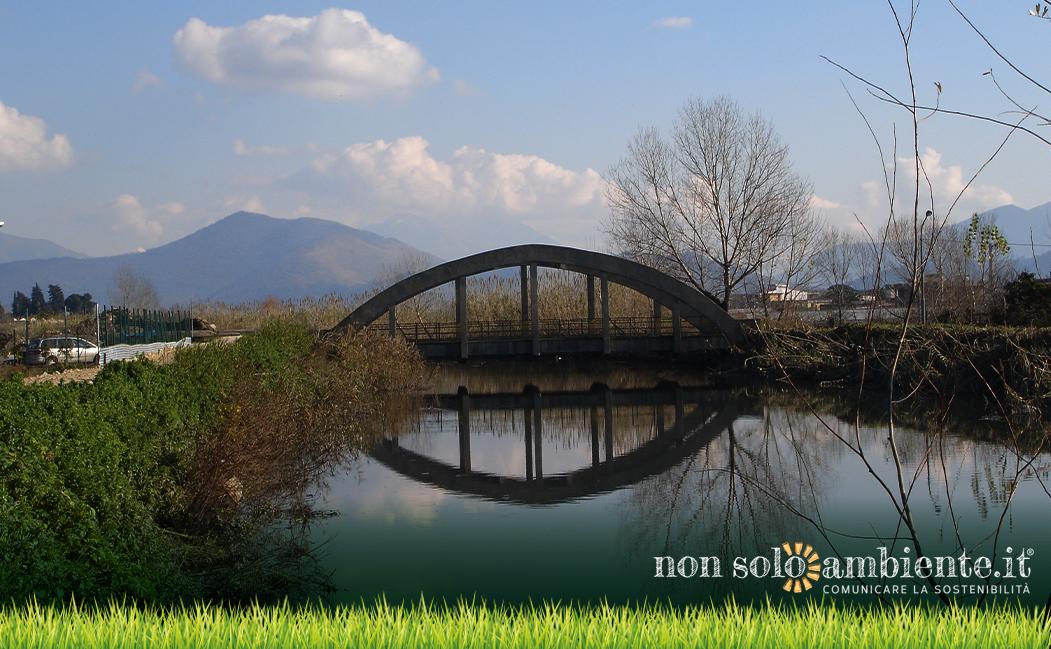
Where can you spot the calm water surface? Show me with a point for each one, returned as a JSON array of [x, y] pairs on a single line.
[[524, 482]]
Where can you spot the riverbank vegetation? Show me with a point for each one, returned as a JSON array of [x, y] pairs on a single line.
[[1004, 370], [188, 480], [527, 627]]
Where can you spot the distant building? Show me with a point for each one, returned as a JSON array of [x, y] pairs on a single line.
[[782, 293]]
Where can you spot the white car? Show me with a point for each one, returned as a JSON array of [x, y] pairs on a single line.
[[61, 349]]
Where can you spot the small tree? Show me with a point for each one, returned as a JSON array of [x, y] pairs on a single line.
[[56, 298], [842, 295], [80, 303], [984, 244], [20, 305], [1027, 302], [36, 299], [131, 290]]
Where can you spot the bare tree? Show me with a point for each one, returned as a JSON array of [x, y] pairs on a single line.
[[713, 205], [132, 290], [840, 261]]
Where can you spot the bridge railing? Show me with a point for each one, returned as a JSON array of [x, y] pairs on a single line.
[[549, 329]]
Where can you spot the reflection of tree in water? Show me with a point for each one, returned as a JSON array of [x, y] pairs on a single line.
[[739, 496]]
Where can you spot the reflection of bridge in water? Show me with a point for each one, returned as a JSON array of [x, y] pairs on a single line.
[[700, 416], [707, 326]]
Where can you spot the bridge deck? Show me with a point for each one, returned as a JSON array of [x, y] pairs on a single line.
[[557, 336]]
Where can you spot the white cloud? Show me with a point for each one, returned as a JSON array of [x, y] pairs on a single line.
[[128, 216], [380, 179], [402, 173], [144, 78], [465, 89], [24, 145], [673, 22], [872, 195], [822, 203], [243, 203], [334, 55], [948, 183], [240, 149]]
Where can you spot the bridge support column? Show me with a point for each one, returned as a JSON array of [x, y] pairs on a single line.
[[680, 412], [465, 430], [538, 435], [529, 443], [608, 421], [594, 436], [592, 325], [461, 314], [534, 314], [392, 321], [676, 329], [605, 313], [523, 284]]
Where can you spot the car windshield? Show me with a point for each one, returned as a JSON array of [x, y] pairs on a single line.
[[34, 344]]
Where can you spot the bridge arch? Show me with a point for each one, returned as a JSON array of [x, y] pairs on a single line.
[[683, 300]]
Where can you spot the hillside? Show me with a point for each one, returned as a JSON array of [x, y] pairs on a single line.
[[242, 257], [14, 248]]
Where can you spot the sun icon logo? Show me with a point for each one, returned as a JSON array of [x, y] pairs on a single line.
[[802, 567]]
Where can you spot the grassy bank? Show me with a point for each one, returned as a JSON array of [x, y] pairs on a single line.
[[188, 480], [528, 628]]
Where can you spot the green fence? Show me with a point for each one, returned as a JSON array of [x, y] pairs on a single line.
[[142, 326]]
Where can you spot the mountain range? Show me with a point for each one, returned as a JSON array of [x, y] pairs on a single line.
[[14, 248], [248, 256], [242, 257]]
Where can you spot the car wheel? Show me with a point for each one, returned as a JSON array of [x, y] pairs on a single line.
[[51, 360]]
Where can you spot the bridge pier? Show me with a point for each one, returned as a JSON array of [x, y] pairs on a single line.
[[534, 425], [465, 431], [529, 444], [676, 329], [592, 324], [608, 416], [534, 309], [523, 285], [605, 314], [461, 314], [594, 437]]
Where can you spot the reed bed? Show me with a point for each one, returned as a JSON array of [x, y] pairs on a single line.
[[314, 313], [422, 627]]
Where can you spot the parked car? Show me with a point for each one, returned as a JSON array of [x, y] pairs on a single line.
[[61, 349]]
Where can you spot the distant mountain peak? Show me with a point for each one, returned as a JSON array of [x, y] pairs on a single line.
[[241, 257]]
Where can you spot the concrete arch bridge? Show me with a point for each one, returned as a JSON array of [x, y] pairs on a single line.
[[683, 320]]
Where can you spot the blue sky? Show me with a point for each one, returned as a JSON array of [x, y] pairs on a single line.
[[138, 123]]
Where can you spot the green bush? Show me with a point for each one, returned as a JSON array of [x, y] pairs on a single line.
[[1027, 302], [122, 487]]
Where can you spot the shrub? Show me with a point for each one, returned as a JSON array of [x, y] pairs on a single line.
[[158, 481]]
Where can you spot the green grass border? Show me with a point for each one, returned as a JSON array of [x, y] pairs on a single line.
[[477, 626]]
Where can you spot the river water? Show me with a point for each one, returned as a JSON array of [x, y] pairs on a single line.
[[525, 482]]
